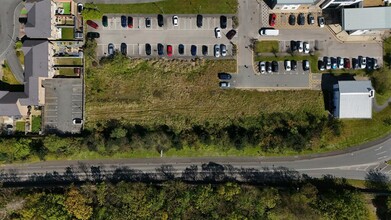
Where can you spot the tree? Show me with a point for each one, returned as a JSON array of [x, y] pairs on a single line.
[[77, 205]]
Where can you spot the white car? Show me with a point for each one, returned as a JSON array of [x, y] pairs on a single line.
[[223, 50], [175, 20], [218, 32], [77, 121], [364, 63], [262, 67], [340, 62], [306, 47], [288, 66], [217, 50], [300, 46], [321, 21]]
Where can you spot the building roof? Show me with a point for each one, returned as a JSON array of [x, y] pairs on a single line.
[[8, 106], [293, 2], [353, 99], [38, 19], [366, 18]]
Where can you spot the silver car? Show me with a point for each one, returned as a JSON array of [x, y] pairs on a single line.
[[110, 49], [262, 67], [217, 50], [223, 50]]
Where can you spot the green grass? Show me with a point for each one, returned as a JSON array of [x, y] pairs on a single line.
[[382, 98], [23, 11], [312, 58], [67, 7], [68, 61], [173, 7], [36, 124], [20, 126], [67, 72], [20, 56], [266, 47], [8, 76], [67, 33]]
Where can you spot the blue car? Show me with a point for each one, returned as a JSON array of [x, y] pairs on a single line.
[[193, 50], [123, 21]]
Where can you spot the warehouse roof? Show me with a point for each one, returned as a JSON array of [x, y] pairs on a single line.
[[366, 18]]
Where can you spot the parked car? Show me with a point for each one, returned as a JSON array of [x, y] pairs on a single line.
[[230, 34], [224, 84], [217, 50], [294, 64], [124, 49], [104, 21], [306, 47], [275, 66], [92, 24], [311, 19], [193, 50], [292, 19], [321, 66], [375, 64], [223, 22], [369, 63], [346, 62], [301, 19], [204, 50], [148, 22], [199, 20], [93, 35], [175, 20], [160, 49], [272, 19], [224, 76], [293, 45], [148, 49], [268, 67], [217, 32], [123, 21], [169, 50], [223, 50], [130, 22], [333, 63], [77, 121], [321, 22], [327, 62], [355, 64], [300, 46], [80, 7], [306, 65], [340, 62], [362, 62], [181, 49], [287, 64], [110, 49], [262, 67], [160, 20]]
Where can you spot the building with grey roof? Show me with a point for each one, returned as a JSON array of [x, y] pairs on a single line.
[[39, 19], [338, 3], [289, 4], [356, 19], [353, 99]]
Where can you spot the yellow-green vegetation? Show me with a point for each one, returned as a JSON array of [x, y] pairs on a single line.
[[312, 58], [67, 33], [8, 76], [68, 61], [36, 123], [173, 7], [66, 72], [20, 56], [179, 92], [383, 98], [266, 46]]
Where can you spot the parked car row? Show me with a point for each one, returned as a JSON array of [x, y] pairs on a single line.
[[224, 77], [344, 63], [301, 19], [300, 46], [127, 21], [268, 67]]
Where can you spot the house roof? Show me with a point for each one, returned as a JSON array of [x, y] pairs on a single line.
[[8, 106], [36, 54], [366, 18], [38, 19]]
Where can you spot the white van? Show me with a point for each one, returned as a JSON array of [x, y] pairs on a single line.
[[269, 31]]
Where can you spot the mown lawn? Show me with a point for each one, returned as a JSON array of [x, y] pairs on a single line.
[[36, 124], [67, 33], [173, 7], [8, 76], [68, 61], [269, 46], [20, 126]]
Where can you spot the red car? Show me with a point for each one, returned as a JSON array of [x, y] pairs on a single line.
[[346, 63], [169, 50], [130, 22], [92, 24], [272, 19]]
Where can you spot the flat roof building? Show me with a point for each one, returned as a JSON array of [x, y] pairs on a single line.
[[376, 18], [289, 4]]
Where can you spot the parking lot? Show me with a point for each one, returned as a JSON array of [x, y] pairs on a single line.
[[186, 33], [283, 71], [63, 103]]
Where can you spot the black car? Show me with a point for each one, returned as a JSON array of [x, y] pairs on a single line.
[[148, 49], [223, 22], [79, 8], [321, 66], [355, 63], [148, 22], [293, 45], [199, 21], [160, 20], [231, 34], [204, 50], [123, 21], [311, 19], [268, 67], [369, 63], [301, 19], [104, 21], [181, 49], [293, 65], [130, 22], [275, 66], [193, 50], [160, 49], [292, 19], [93, 35], [124, 49], [224, 76]]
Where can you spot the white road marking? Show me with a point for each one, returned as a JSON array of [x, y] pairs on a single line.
[[382, 157], [379, 148], [381, 152]]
